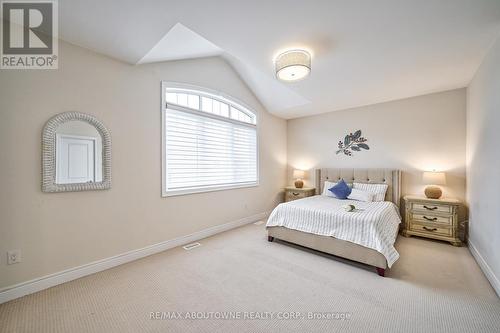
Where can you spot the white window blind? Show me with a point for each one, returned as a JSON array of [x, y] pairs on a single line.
[[207, 150]]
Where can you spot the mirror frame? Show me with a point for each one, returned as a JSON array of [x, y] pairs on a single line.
[[49, 154]]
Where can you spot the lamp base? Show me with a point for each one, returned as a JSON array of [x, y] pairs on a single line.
[[299, 183], [433, 192]]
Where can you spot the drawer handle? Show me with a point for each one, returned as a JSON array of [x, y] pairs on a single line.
[[430, 208], [429, 229], [430, 219], [295, 193]]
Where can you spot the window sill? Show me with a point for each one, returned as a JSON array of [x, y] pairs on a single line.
[[205, 190]]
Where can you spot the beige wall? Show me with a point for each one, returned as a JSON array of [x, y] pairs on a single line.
[[56, 231], [483, 162], [414, 134]]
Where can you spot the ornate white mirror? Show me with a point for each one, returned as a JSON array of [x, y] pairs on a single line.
[[76, 154]]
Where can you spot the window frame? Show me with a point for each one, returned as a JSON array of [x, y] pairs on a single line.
[[221, 97]]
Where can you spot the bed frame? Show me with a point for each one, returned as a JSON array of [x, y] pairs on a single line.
[[336, 246]]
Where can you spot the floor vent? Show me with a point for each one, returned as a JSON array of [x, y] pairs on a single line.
[[191, 246], [259, 222]]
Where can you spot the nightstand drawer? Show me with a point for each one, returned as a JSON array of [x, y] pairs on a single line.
[[432, 230], [431, 218], [293, 195], [433, 208]]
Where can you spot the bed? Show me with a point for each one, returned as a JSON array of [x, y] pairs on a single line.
[[320, 223]]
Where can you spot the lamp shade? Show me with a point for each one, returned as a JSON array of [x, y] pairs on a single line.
[[293, 65], [434, 178], [298, 174]]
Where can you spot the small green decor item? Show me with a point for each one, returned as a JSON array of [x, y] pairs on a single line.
[[349, 208], [352, 142]]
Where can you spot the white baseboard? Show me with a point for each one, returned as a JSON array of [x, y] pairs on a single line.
[[32, 286], [494, 281]]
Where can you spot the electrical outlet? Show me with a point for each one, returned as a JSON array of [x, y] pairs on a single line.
[[13, 257]]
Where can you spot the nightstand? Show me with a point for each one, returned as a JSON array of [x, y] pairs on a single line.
[[293, 193], [432, 218]]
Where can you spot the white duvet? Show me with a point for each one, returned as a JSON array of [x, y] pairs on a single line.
[[372, 224]]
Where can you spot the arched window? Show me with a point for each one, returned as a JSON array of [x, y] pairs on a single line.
[[209, 141]]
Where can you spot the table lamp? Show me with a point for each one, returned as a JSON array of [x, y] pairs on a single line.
[[298, 175], [432, 179]]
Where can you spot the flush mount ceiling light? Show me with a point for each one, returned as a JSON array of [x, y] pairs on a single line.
[[293, 65]]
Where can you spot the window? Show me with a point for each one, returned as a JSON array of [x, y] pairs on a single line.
[[209, 142]]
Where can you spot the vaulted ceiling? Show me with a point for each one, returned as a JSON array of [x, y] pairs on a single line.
[[364, 51]]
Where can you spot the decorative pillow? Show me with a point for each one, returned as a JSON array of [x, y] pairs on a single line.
[[378, 190], [360, 195], [341, 190], [326, 188]]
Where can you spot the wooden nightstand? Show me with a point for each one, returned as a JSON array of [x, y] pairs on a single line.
[[293, 193], [432, 218]]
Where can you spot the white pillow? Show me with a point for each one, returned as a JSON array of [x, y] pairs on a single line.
[[327, 186], [361, 195], [378, 190]]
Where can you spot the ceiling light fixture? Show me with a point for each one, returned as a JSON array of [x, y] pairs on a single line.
[[293, 65]]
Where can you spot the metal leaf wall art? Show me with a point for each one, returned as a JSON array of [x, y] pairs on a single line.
[[352, 142]]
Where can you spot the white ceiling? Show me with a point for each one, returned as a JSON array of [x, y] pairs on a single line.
[[364, 51], [181, 43]]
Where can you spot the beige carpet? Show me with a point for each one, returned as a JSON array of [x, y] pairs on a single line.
[[434, 287]]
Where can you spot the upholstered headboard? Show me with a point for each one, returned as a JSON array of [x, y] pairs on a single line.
[[372, 176]]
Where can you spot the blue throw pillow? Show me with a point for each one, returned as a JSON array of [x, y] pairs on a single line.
[[341, 190]]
